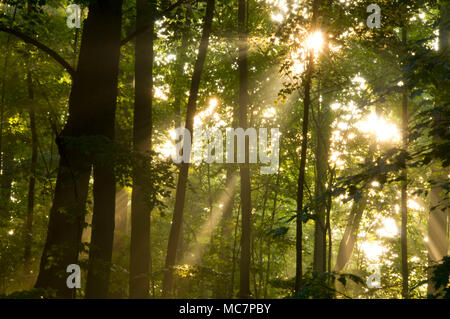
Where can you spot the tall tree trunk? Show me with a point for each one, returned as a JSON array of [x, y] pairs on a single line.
[[179, 85], [180, 99], [140, 256], [184, 167], [244, 290], [321, 152], [235, 254], [404, 186], [439, 202], [32, 180], [8, 167], [104, 190], [262, 237], [350, 234], [301, 181], [328, 220], [301, 175], [91, 113]]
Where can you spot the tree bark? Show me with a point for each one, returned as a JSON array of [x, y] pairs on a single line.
[[301, 175], [100, 252], [244, 290], [321, 152], [91, 113], [439, 203], [140, 255], [184, 167], [32, 180], [350, 234]]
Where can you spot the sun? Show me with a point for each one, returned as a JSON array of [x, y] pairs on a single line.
[[314, 42]]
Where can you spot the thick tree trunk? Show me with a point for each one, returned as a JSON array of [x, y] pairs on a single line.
[[439, 202], [244, 290], [91, 112], [184, 167], [32, 180], [140, 256], [104, 190]]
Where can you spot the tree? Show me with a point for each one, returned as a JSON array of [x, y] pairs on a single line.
[[32, 182], [94, 84], [246, 206], [301, 174], [140, 255], [184, 167], [404, 186], [439, 207]]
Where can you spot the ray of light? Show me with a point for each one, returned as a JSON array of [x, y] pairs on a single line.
[[195, 254]]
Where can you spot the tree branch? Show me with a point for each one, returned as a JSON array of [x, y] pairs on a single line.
[[144, 28], [40, 46]]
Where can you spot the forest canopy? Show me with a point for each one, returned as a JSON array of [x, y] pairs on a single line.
[[224, 149]]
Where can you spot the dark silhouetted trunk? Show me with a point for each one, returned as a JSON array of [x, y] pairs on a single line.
[[32, 180], [439, 202], [323, 131], [301, 181], [104, 190], [6, 180], [236, 251], [301, 175], [140, 256], [91, 113], [184, 167]]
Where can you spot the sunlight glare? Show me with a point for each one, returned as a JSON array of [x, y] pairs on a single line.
[[315, 42], [160, 94], [377, 126], [373, 250], [389, 228]]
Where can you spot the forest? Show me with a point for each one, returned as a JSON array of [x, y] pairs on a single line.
[[219, 149]]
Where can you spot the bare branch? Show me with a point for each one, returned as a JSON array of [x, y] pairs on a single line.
[[40, 46]]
